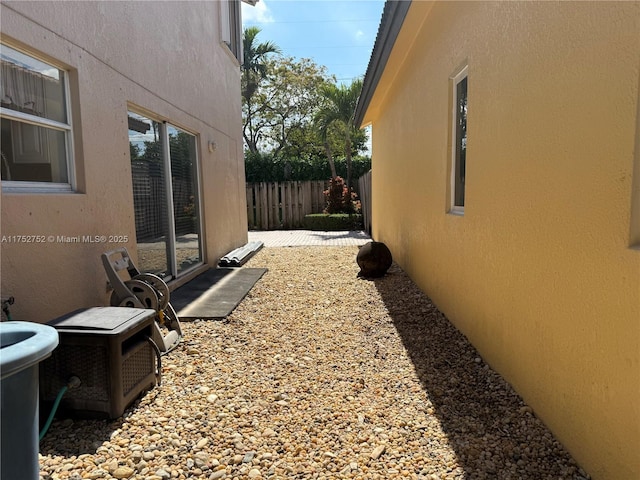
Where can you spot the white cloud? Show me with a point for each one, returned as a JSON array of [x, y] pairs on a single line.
[[260, 13], [359, 34]]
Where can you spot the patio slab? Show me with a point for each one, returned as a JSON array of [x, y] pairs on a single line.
[[308, 238]]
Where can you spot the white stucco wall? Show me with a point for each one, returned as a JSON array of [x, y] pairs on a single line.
[[163, 58]]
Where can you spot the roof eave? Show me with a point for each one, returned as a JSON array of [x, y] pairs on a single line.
[[393, 16]]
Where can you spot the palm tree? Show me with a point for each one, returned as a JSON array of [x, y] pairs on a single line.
[[339, 110], [254, 69]]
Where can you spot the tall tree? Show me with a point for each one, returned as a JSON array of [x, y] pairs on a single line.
[[254, 70], [279, 117], [293, 98], [339, 111]]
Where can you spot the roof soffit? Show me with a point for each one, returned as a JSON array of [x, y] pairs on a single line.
[[392, 47]]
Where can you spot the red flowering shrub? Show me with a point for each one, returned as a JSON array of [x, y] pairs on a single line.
[[339, 200]]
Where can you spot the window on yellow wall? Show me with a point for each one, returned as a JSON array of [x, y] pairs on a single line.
[[634, 231], [459, 137]]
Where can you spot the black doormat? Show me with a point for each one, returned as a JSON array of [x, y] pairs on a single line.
[[215, 293]]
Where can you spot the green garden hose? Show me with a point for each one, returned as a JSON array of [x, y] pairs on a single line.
[[53, 412], [73, 382]]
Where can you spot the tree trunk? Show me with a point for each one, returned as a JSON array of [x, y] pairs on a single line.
[[347, 154], [249, 139], [253, 148], [332, 164]]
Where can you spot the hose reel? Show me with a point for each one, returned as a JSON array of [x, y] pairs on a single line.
[[143, 290]]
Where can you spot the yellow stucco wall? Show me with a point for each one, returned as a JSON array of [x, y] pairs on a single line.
[[161, 57], [538, 273]]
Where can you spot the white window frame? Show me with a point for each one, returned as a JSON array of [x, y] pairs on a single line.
[[13, 186], [455, 81], [163, 136], [231, 26]]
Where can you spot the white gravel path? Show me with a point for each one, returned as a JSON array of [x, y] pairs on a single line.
[[318, 374]]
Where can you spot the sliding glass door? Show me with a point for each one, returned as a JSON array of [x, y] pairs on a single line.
[[184, 187], [165, 196]]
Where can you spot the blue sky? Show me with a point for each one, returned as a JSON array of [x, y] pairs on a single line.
[[338, 34]]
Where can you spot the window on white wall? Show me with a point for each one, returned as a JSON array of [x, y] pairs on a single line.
[[232, 26], [459, 137], [36, 124]]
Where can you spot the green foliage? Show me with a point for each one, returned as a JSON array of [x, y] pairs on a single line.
[[254, 67], [134, 151], [332, 222], [339, 109], [254, 72], [295, 113], [277, 118], [267, 167]]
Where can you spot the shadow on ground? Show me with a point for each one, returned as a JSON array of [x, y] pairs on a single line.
[[68, 437], [494, 434], [355, 234]]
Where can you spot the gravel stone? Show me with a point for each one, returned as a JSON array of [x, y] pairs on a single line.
[[122, 472], [379, 450], [318, 374]]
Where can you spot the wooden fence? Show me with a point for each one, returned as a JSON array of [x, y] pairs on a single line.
[[283, 205], [364, 185]]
